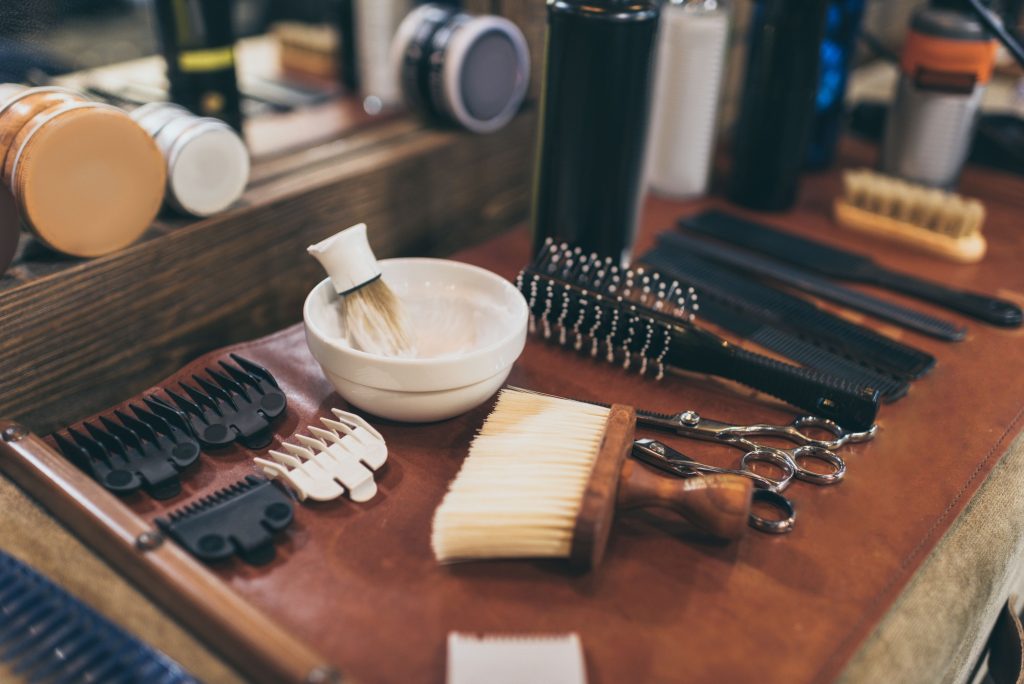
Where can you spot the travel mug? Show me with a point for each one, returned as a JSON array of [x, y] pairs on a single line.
[[947, 61]]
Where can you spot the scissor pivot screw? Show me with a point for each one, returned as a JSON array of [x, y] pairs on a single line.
[[323, 675], [148, 541], [14, 433], [689, 418]]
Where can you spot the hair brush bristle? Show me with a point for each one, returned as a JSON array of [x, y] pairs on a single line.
[[934, 220], [521, 486], [376, 322]]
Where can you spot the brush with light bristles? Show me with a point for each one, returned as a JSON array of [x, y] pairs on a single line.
[[935, 221], [544, 475], [375, 321]]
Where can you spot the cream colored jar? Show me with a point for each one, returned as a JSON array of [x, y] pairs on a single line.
[[207, 161], [86, 178]]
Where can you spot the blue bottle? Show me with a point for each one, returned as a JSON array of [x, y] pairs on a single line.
[[842, 25]]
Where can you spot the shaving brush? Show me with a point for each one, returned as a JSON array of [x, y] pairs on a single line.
[[375, 321]]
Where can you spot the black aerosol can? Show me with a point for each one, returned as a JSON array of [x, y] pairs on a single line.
[[777, 107], [593, 123], [198, 43]]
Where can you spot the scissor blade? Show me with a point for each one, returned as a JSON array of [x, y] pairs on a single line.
[[671, 422]]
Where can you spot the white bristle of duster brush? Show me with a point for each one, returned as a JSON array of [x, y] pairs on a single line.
[[521, 487], [375, 319]]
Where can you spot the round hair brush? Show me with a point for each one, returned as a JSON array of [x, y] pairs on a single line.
[[545, 474], [375, 321]]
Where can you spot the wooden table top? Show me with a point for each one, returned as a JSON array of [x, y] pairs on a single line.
[[665, 605]]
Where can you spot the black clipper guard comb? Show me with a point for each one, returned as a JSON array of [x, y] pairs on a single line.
[[238, 402], [239, 519], [47, 635], [146, 449]]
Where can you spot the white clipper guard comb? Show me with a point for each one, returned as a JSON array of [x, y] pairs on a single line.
[[334, 461]]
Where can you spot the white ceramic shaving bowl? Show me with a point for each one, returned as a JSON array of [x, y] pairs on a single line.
[[470, 326]]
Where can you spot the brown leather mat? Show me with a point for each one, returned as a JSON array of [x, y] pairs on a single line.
[[358, 582]]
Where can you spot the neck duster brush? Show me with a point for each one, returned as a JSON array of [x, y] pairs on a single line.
[[375, 321], [545, 474]]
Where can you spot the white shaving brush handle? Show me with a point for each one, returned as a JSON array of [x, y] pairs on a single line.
[[347, 258]]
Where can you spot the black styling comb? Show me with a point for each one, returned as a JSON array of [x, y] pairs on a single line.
[[658, 294], [749, 326], [47, 635], [839, 263], [788, 345], [789, 312], [144, 448], [802, 278], [234, 402], [635, 333], [239, 519]]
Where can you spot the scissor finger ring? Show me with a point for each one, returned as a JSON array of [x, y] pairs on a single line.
[[772, 457], [835, 464], [777, 501], [840, 435]]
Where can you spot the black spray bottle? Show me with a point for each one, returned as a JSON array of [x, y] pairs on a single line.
[[198, 43], [594, 115], [777, 106]]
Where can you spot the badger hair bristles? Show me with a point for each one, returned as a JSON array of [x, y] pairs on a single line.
[[376, 321]]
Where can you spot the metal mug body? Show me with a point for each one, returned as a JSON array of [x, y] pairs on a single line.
[[947, 61], [928, 134]]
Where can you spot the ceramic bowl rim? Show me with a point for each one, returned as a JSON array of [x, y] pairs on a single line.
[[521, 316]]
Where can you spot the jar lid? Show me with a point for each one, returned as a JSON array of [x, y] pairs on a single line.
[[207, 168], [20, 110], [486, 73], [88, 179]]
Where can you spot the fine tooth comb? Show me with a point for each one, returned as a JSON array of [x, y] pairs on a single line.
[[838, 263], [803, 352], [47, 635], [801, 278], [544, 475], [791, 313], [661, 295], [238, 519], [340, 459], [147, 449], [613, 327], [238, 402]]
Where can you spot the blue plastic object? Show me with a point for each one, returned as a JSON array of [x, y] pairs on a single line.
[[47, 635], [842, 26]]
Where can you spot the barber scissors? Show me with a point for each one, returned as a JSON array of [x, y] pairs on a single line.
[[692, 424], [767, 490]]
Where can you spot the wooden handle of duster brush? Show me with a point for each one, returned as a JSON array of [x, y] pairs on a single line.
[[716, 504]]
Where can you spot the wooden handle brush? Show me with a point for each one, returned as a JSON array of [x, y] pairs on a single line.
[[545, 474], [375, 321], [941, 223]]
